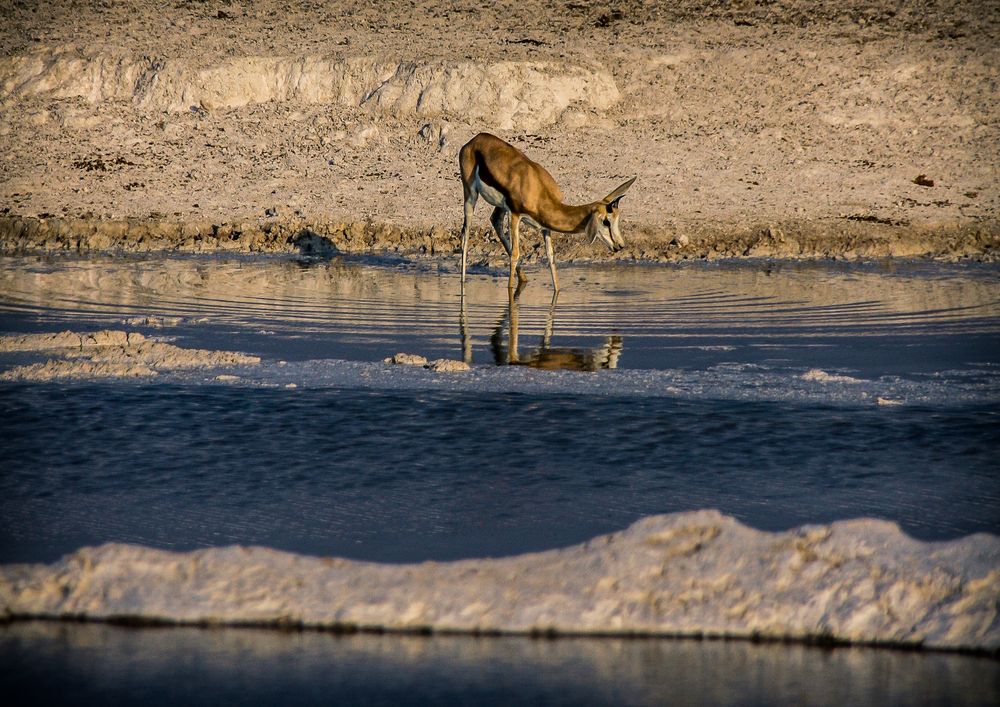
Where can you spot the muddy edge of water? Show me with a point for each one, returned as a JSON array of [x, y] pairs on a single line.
[[828, 238]]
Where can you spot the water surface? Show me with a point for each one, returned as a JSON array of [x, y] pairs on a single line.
[[413, 475], [94, 664], [871, 319]]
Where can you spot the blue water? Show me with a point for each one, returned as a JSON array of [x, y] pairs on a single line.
[[415, 475]]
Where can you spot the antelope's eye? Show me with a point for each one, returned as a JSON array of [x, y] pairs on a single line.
[[607, 223]]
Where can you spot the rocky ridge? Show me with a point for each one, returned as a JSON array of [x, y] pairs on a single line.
[[692, 574], [523, 95]]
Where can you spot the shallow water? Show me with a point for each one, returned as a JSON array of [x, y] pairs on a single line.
[[712, 404], [44, 663], [873, 320]]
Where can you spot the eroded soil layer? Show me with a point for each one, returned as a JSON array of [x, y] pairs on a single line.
[[821, 239]]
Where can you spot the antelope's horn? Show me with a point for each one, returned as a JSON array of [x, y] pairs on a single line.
[[619, 192]]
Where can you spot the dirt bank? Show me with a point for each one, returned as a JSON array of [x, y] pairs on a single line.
[[790, 129], [829, 238]]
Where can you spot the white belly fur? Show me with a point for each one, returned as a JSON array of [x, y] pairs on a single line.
[[491, 195], [494, 197]]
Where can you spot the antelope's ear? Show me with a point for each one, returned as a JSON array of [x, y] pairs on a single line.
[[617, 194]]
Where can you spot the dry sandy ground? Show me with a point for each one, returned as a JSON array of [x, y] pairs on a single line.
[[788, 127]]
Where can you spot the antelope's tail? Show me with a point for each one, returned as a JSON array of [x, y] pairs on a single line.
[[467, 166]]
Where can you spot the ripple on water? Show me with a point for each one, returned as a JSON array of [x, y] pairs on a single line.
[[405, 475], [876, 319]]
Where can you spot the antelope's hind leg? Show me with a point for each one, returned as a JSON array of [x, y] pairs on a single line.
[[470, 207], [496, 219]]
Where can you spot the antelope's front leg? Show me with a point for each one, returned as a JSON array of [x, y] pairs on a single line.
[[497, 219], [547, 235]]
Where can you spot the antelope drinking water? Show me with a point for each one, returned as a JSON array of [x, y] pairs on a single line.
[[515, 185]]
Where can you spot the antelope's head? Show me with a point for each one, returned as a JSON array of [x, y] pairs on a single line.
[[603, 221]]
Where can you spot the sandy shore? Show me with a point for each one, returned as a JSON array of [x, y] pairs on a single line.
[[791, 129]]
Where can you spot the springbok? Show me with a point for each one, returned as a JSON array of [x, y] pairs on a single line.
[[515, 185]]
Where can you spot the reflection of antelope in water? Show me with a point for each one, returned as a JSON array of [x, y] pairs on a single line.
[[547, 356]]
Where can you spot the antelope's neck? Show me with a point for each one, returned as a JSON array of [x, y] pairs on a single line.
[[564, 218]]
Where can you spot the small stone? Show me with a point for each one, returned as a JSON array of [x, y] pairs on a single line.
[[447, 365], [154, 322], [406, 359], [363, 136]]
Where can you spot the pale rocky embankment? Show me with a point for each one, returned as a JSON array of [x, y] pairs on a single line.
[[685, 574], [786, 129], [109, 354]]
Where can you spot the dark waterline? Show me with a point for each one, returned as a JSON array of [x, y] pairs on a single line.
[[405, 476], [78, 664]]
